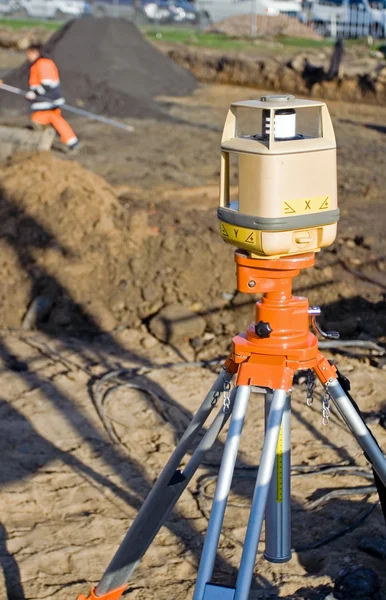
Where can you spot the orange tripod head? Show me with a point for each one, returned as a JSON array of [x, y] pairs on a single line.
[[266, 276]]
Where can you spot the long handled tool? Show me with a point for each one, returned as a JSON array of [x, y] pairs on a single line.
[[75, 110]]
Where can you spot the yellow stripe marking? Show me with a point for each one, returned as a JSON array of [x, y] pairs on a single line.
[[279, 468]]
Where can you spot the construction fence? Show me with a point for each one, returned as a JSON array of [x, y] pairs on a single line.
[[236, 18]]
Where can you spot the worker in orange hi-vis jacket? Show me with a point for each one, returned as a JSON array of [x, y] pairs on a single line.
[[45, 96]]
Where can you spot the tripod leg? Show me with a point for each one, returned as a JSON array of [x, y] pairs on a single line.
[[222, 491], [260, 495], [358, 427], [278, 510], [163, 496]]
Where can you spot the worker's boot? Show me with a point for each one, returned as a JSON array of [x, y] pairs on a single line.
[[73, 148]]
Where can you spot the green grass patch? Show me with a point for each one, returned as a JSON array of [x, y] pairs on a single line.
[[307, 43], [221, 41], [28, 23], [303, 42], [194, 37]]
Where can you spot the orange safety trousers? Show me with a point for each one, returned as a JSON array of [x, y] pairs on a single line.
[[54, 118]]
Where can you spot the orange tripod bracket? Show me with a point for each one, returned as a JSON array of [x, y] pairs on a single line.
[[113, 595], [279, 342], [269, 275]]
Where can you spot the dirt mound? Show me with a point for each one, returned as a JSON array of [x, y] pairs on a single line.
[[107, 66], [95, 259], [240, 26], [57, 226]]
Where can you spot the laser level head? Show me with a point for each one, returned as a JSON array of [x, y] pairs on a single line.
[[285, 154]]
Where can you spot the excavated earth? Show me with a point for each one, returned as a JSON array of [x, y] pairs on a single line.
[[92, 252], [274, 67]]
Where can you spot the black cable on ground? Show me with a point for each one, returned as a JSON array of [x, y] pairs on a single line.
[[342, 532], [102, 396], [302, 471]]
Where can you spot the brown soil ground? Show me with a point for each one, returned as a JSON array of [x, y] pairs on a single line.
[[69, 492], [111, 250]]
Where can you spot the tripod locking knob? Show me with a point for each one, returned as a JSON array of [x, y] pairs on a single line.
[[263, 329]]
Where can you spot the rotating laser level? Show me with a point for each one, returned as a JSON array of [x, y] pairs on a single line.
[[286, 211], [287, 196]]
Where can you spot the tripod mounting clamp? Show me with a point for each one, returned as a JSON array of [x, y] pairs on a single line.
[[315, 311], [256, 275]]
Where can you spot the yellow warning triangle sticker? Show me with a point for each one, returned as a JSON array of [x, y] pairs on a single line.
[[223, 230], [288, 209]]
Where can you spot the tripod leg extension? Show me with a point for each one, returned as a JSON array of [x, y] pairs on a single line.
[[358, 427], [278, 510], [164, 494], [222, 491], [260, 495]]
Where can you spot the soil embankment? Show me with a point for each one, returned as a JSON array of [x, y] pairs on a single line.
[[362, 80]]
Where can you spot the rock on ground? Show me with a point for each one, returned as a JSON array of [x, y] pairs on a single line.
[[176, 323], [14, 139], [358, 583]]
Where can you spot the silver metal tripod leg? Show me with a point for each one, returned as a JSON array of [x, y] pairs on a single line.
[[163, 496], [222, 491], [278, 509], [358, 427], [260, 495]]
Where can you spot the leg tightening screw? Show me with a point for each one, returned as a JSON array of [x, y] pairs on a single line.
[[263, 329]]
